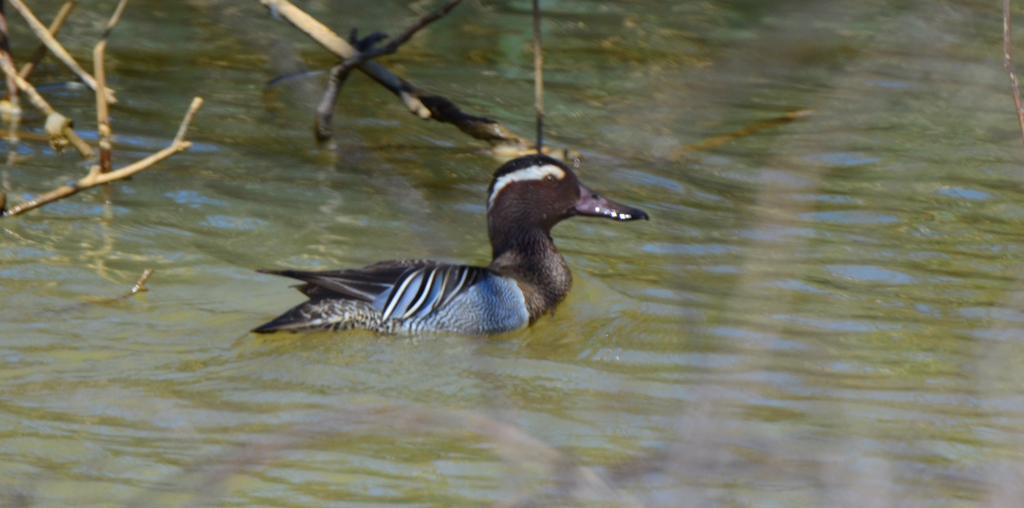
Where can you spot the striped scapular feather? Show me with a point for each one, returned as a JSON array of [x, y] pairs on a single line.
[[398, 289]]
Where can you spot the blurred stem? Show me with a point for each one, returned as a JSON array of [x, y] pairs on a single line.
[[1008, 63]]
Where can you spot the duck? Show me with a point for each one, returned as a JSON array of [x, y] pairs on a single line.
[[526, 279]]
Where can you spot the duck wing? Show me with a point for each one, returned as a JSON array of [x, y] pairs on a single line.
[[398, 289]]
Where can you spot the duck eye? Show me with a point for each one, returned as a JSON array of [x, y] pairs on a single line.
[[549, 179]]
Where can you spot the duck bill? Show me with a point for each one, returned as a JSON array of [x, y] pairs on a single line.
[[591, 204]]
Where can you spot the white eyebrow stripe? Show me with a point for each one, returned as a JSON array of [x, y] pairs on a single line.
[[525, 174]]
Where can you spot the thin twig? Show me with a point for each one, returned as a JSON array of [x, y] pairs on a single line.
[[538, 76], [185, 122], [1008, 63], [102, 113], [418, 101], [55, 26], [56, 48], [411, 30], [95, 178], [140, 285], [57, 126]]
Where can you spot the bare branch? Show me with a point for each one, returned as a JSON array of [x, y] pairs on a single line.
[[411, 30], [55, 26], [1008, 63], [418, 102], [56, 48], [57, 126], [102, 113], [325, 110], [95, 177]]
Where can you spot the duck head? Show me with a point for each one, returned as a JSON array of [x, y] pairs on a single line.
[[530, 194]]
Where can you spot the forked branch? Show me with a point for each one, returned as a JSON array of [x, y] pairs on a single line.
[[419, 102], [95, 177], [55, 47]]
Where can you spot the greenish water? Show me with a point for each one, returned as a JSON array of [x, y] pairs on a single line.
[[827, 313]]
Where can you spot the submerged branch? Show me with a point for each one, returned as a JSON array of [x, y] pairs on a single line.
[[56, 48], [325, 110], [722, 139], [365, 53], [95, 177]]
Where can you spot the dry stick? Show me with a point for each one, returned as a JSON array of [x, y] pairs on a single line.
[[538, 76], [57, 126], [140, 285], [55, 26], [95, 178], [1008, 63], [416, 100], [57, 50], [102, 113], [325, 110]]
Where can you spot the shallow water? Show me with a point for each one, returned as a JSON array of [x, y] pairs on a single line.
[[823, 313]]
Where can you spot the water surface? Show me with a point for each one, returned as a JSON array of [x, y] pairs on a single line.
[[823, 313]]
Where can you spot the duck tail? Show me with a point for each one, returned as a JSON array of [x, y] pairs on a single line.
[[323, 314], [301, 317]]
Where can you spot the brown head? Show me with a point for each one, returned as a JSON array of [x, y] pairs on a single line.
[[530, 194]]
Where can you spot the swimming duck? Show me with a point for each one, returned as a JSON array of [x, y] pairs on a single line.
[[526, 278]]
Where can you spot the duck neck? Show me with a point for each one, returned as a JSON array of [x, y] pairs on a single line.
[[530, 257]]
